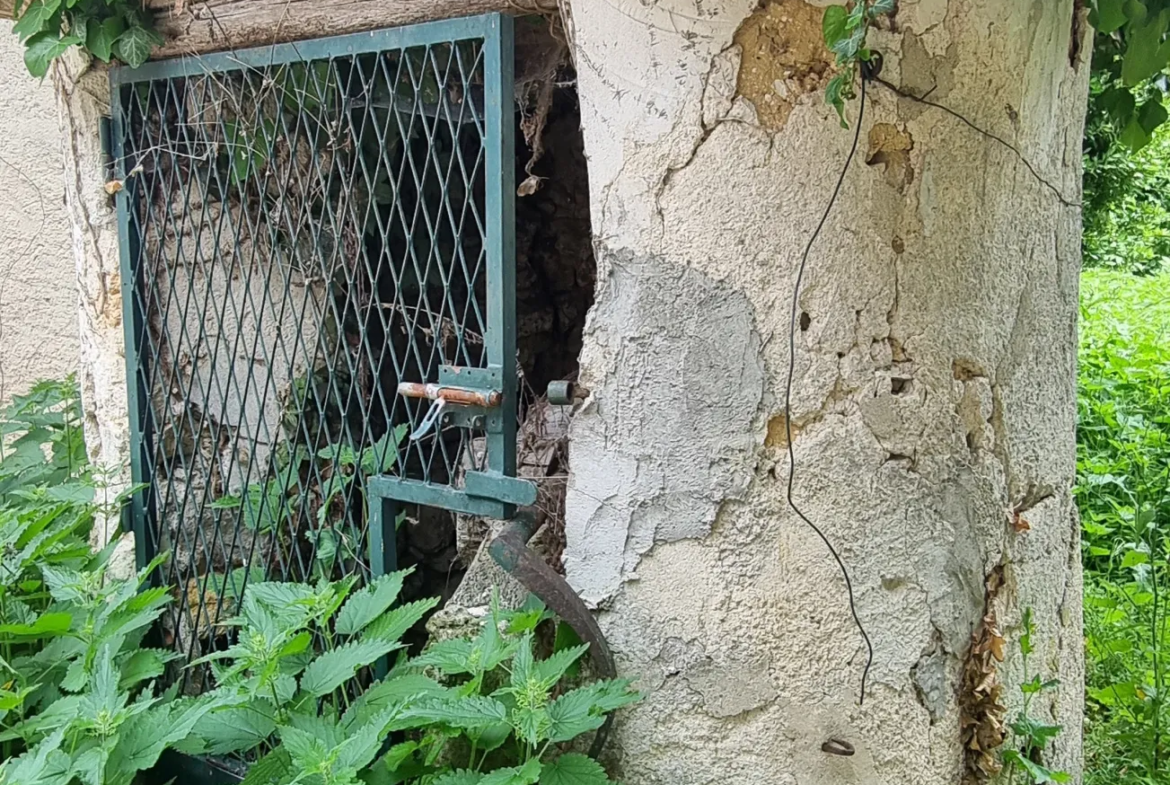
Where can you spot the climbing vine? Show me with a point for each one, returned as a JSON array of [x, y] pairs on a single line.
[[845, 29], [107, 29]]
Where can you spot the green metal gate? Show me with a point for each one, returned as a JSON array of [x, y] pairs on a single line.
[[318, 294]]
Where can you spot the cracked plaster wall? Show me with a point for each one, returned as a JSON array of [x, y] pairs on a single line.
[[935, 379]]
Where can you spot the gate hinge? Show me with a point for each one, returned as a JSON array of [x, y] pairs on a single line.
[[106, 135]]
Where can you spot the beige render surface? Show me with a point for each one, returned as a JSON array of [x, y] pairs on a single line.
[[934, 393], [38, 294]]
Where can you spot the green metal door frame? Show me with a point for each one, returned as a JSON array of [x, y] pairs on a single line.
[[491, 490]]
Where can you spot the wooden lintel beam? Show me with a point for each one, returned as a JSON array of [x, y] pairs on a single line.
[[201, 26], [216, 25]]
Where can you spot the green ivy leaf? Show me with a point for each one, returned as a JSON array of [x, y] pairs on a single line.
[[881, 8], [134, 46], [43, 48], [100, 38], [79, 27], [36, 18], [573, 769], [835, 93], [849, 48], [856, 15], [834, 25]]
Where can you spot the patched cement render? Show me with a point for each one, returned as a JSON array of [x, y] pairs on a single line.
[[935, 378], [38, 301], [689, 364]]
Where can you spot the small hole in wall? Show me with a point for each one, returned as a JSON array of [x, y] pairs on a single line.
[[971, 442], [899, 386], [805, 321]]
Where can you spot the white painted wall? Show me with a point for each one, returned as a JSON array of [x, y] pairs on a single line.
[[38, 294]]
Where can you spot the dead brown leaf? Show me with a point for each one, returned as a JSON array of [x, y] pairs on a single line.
[[1020, 523]]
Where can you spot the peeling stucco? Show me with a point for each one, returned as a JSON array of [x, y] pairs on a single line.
[[690, 374], [783, 58], [933, 385]]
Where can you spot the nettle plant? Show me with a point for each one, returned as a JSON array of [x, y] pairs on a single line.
[[75, 700], [1030, 736], [83, 702], [107, 29], [484, 710]]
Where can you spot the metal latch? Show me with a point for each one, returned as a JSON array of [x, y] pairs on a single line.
[[441, 395], [468, 397]]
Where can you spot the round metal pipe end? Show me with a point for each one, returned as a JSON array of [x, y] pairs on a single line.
[[560, 393]]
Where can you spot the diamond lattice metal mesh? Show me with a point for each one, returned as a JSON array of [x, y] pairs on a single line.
[[301, 237]]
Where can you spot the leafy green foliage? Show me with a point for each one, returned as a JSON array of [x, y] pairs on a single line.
[[1030, 737], [269, 505], [1130, 56], [104, 28], [1126, 197], [1123, 460], [477, 710], [78, 702], [845, 28]]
